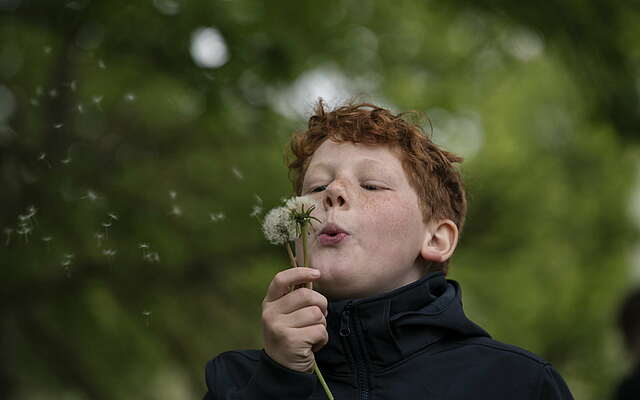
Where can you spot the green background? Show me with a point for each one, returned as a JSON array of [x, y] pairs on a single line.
[[148, 172]]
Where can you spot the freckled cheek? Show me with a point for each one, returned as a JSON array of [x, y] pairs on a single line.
[[388, 221]]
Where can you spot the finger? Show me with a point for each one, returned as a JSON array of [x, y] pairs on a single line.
[[300, 298], [281, 282], [316, 335], [303, 317]]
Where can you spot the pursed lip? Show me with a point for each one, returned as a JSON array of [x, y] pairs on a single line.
[[332, 229]]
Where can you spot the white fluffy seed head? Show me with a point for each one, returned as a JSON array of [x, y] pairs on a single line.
[[297, 204], [279, 227]]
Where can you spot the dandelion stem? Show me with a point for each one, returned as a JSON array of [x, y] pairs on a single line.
[[322, 382], [305, 256], [292, 258]]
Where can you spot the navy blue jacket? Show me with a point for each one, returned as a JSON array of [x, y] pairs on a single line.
[[411, 343]]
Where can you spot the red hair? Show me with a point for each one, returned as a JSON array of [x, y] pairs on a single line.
[[429, 169]]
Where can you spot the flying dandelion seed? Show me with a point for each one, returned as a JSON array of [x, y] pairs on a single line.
[[145, 249], [216, 217], [152, 257], [257, 210], [258, 199], [39, 91], [66, 160], [80, 108], [47, 49], [101, 64], [237, 173], [130, 97], [72, 86], [43, 157], [31, 214], [53, 93], [106, 226], [58, 125], [66, 262], [35, 102], [97, 100], [91, 195], [8, 232], [109, 252], [147, 317], [99, 237], [113, 216], [47, 240], [176, 210], [172, 194], [24, 230]]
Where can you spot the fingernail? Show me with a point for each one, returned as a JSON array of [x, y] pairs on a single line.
[[315, 272]]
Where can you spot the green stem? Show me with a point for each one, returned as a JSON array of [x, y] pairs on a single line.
[[304, 245], [322, 382], [310, 286], [292, 258]]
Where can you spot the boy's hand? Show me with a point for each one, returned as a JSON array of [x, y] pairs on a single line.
[[293, 323]]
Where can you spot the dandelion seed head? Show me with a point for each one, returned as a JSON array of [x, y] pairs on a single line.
[[279, 227], [300, 204]]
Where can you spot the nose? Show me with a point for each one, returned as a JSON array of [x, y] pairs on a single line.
[[335, 196]]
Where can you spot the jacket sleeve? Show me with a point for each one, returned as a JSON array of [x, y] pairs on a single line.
[[553, 386], [269, 381]]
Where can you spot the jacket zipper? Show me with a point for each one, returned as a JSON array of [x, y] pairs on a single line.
[[361, 368]]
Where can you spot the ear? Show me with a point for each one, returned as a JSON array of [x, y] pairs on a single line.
[[440, 241]]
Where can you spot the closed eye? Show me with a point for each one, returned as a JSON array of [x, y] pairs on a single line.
[[315, 190], [370, 187], [365, 186]]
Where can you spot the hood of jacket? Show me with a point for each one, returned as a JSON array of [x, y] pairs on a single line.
[[382, 330]]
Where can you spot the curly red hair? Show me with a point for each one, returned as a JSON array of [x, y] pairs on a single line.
[[429, 169]]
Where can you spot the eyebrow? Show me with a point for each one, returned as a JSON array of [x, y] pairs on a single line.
[[364, 164]]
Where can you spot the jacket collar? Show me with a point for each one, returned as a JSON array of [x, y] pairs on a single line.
[[392, 326]]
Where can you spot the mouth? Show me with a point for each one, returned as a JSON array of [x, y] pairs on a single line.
[[332, 234]]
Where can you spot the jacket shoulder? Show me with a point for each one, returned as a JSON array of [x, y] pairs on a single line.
[[235, 366], [503, 348]]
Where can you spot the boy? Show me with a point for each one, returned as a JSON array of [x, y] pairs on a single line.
[[382, 322]]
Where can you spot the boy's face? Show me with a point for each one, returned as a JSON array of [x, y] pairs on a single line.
[[363, 189]]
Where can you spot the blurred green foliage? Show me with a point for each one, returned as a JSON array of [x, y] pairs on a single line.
[[148, 172]]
